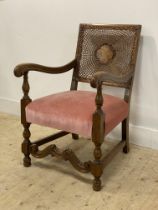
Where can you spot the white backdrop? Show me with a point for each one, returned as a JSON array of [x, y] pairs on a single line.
[[45, 32]]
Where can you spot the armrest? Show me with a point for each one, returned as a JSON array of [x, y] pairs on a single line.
[[21, 69]]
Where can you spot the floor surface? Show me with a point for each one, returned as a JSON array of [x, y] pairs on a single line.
[[130, 182]]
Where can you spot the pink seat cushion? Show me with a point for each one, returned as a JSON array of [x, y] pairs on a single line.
[[72, 111]]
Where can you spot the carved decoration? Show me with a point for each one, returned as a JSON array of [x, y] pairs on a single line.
[[67, 154], [104, 54]]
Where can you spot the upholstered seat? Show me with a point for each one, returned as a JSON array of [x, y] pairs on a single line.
[[72, 111]]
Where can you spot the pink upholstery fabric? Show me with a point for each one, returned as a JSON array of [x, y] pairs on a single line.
[[72, 111]]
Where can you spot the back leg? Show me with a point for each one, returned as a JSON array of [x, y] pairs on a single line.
[[125, 134], [75, 136]]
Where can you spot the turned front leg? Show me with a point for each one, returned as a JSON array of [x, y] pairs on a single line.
[[26, 145], [26, 133], [98, 131], [97, 169]]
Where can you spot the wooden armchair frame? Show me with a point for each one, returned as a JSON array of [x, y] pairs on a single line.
[[96, 80]]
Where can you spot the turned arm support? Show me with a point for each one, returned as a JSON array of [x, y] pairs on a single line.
[[98, 128], [23, 69]]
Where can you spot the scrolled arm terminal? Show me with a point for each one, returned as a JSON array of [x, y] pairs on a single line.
[[98, 78]]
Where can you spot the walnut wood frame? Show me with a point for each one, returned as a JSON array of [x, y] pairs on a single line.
[[97, 165]]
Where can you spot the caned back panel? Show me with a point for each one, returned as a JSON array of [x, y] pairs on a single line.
[[108, 48]]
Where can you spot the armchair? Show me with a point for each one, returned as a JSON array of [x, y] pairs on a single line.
[[106, 55]]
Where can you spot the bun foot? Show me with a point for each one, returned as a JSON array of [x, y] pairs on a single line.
[[27, 161], [97, 184], [126, 149]]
